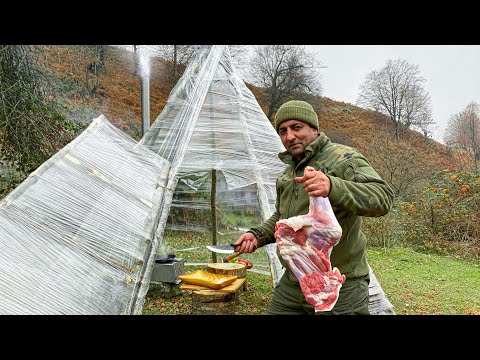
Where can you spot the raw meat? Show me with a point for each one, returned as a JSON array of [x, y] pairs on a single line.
[[305, 243]]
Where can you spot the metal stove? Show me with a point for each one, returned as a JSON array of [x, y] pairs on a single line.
[[167, 269]]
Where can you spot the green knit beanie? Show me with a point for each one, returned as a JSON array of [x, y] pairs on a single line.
[[296, 110]]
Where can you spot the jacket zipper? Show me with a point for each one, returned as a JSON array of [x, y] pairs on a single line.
[[294, 196]]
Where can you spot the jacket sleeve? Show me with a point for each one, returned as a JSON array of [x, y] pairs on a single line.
[[357, 188], [265, 233]]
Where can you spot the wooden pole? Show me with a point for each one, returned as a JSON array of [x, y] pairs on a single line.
[[213, 206]]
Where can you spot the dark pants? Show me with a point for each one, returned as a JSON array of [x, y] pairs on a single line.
[[288, 298]]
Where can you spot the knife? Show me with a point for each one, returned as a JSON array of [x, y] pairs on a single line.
[[222, 249]]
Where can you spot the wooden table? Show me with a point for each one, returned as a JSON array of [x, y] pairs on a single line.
[[207, 301]]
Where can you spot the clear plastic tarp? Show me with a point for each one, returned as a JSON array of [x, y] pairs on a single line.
[[77, 236], [213, 128], [378, 303]]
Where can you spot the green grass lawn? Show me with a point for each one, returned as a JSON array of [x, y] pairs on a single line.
[[415, 283], [427, 284]]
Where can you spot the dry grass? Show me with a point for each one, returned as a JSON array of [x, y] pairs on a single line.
[[119, 98]]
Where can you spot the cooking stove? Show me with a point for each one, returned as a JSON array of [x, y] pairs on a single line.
[[167, 269]]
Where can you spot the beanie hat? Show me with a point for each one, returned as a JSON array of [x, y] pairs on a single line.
[[296, 110]]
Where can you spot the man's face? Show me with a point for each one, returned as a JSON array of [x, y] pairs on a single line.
[[296, 136]]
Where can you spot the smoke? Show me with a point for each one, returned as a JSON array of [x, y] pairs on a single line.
[[144, 63]]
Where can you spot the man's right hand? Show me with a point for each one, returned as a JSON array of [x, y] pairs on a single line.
[[316, 183], [247, 243]]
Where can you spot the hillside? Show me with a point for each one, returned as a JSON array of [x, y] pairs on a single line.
[[118, 97]]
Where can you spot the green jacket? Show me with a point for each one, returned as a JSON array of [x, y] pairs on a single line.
[[357, 190]]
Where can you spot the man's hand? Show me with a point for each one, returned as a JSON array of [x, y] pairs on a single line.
[[316, 183], [247, 243]]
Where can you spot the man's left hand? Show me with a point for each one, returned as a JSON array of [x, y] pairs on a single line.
[[316, 183]]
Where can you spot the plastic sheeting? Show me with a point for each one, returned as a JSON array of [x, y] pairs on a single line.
[[378, 303], [212, 122], [77, 236]]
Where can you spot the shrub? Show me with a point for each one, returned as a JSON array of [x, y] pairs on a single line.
[[444, 215]]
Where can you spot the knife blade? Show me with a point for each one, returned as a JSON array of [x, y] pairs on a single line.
[[222, 249]]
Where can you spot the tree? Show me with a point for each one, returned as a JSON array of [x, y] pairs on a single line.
[[285, 72], [463, 130], [94, 56], [425, 123], [135, 60], [176, 56], [32, 126], [398, 163], [396, 90]]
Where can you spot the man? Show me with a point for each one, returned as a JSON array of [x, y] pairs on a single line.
[[354, 189]]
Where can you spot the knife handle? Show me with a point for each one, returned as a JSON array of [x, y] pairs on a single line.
[[230, 257], [234, 246]]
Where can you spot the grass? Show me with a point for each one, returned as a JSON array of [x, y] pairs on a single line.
[[254, 301], [415, 283], [427, 284], [191, 247]]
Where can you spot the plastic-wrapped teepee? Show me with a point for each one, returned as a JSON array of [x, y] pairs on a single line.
[[213, 128]]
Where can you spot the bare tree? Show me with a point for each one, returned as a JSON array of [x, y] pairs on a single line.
[[425, 123], [94, 61], [397, 91], [176, 57], [135, 60], [285, 72], [463, 130], [398, 163]]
